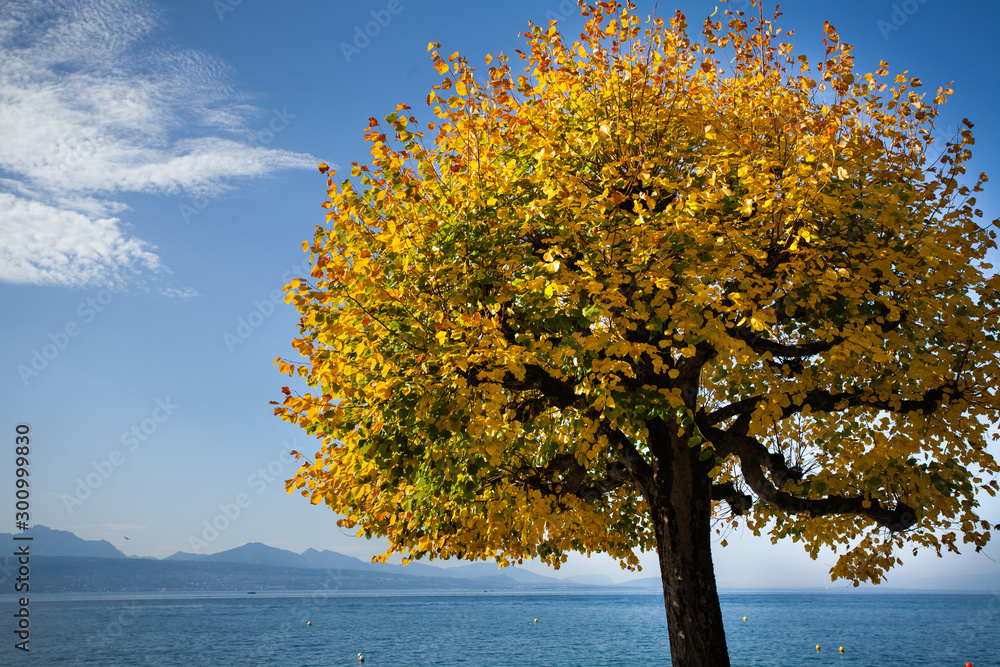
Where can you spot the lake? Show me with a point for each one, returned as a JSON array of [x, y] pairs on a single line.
[[496, 629]]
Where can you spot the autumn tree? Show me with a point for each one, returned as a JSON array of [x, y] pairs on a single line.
[[646, 287]]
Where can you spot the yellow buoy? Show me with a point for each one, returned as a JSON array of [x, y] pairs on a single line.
[[817, 647], [536, 620], [309, 622], [841, 649], [744, 618]]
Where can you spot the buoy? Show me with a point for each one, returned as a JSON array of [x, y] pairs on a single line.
[[536, 620], [817, 647], [968, 664], [309, 622], [744, 618], [361, 658], [841, 649]]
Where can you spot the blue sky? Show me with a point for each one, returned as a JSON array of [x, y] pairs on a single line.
[[157, 179]]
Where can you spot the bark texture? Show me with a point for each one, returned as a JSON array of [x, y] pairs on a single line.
[[680, 504]]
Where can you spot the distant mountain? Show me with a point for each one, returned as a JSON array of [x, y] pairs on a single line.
[[61, 575], [72, 564], [49, 542], [252, 553], [591, 579], [327, 559], [652, 583], [256, 553], [481, 571]]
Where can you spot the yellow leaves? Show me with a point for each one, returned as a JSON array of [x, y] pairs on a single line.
[[537, 274]]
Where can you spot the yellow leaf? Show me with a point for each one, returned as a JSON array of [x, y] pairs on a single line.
[[496, 309]]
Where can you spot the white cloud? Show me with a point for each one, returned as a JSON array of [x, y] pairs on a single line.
[[45, 245], [92, 107]]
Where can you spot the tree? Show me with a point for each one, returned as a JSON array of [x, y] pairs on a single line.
[[647, 286]]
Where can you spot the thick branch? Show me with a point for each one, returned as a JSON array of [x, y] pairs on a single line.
[[738, 502], [574, 476], [755, 459], [745, 406], [760, 345], [557, 393], [825, 401], [638, 469], [797, 351], [821, 400]]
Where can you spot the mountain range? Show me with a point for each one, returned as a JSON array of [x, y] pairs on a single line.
[[63, 562]]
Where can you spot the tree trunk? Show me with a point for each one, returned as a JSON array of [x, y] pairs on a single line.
[[680, 508]]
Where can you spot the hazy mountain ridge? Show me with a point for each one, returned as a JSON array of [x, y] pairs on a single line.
[[65, 574], [49, 542], [63, 562], [262, 554]]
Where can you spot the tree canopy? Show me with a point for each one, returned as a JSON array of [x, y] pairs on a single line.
[[640, 246]]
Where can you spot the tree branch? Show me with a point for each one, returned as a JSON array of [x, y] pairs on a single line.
[[821, 400], [738, 502], [755, 459], [574, 476], [825, 401], [635, 464]]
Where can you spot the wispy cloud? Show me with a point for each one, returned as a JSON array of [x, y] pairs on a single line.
[[47, 245], [94, 105]]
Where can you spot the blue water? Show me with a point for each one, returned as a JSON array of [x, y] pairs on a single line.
[[495, 629]]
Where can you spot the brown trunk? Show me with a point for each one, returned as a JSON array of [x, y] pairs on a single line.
[[680, 508]]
